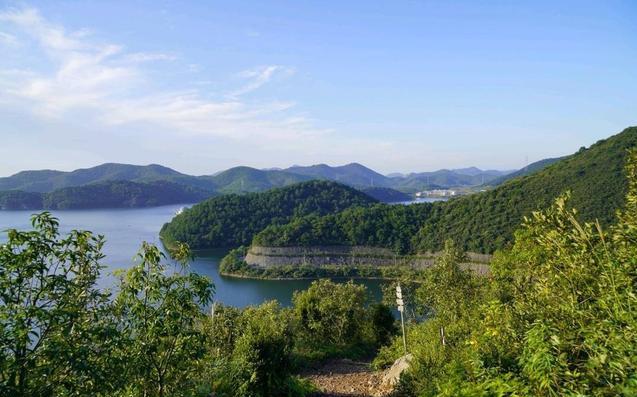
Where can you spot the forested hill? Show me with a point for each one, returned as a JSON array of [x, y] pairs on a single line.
[[386, 195], [232, 220], [481, 222], [45, 181], [111, 194], [247, 179], [528, 170], [353, 174]]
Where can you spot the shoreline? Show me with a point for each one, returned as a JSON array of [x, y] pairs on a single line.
[[244, 276]]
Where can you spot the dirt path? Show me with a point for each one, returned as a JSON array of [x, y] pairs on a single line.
[[346, 378]]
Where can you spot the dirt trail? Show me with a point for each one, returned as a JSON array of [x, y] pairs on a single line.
[[346, 378]]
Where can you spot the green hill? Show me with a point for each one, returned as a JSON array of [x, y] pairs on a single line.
[[232, 220], [111, 194], [386, 195], [353, 174], [528, 170], [49, 180], [19, 200], [246, 179], [485, 221], [442, 179]]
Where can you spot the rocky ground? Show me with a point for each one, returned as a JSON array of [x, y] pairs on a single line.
[[346, 378]]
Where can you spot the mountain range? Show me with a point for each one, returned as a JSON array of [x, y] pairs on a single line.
[[234, 180]]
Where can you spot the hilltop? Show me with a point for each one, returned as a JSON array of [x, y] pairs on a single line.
[[232, 220], [353, 174]]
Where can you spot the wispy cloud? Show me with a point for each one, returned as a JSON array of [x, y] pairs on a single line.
[[89, 85], [105, 79], [258, 77], [8, 39]]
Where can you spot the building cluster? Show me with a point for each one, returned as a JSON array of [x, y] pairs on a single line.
[[437, 193]]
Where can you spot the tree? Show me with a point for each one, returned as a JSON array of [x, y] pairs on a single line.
[[330, 313], [56, 333], [161, 315]]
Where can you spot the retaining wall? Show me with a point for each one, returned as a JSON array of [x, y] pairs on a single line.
[[350, 256]]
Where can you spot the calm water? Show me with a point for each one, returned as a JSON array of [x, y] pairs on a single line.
[[125, 229]]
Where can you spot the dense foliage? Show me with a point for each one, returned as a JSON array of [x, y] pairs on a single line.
[[48, 180], [391, 226], [113, 194], [159, 318], [386, 195], [233, 220], [19, 200], [558, 317], [62, 336], [246, 179], [528, 170], [56, 332], [123, 194], [480, 222]]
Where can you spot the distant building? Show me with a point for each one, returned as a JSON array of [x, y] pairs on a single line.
[[437, 193]]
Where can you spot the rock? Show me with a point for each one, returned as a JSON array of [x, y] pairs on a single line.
[[392, 376]]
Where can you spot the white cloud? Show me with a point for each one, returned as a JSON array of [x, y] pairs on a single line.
[[105, 79], [258, 77], [140, 57], [8, 39], [92, 86]]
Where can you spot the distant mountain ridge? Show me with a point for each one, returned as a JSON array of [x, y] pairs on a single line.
[[353, 174], [44, 181], [109, 194], [245, 179], [240, 179], [528, 170]]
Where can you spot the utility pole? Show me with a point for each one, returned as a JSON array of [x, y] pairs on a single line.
[[401, 309]]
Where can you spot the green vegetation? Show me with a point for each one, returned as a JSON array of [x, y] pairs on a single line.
[[233, 220], [233, 264], [353, 174], [380, 225], [62, 336], [19, 200], [481, 222], [234, 180], [114, 194], [48, 180], [246, 179], [528, 170], [558, 317], [442, 179], [386, 195]]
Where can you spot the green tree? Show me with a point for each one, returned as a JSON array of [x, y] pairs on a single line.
[[160, 314], [56, 333], [330, 313], [558, 316]]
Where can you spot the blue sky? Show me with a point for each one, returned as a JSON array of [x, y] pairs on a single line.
[[396, 85]]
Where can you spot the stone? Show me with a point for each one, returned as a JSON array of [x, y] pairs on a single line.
[[392, 376]]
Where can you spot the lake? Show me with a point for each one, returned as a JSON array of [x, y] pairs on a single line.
[[126, 229]]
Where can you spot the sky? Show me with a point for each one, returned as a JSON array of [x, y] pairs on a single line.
[[399, 86]]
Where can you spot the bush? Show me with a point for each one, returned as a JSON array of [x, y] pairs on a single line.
[[328, 313]]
